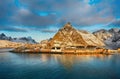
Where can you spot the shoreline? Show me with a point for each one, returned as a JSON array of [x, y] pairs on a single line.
[[5, 49], [65, 51], [73, 51]]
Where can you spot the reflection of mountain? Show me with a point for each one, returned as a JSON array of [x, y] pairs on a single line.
[[22, 39], [68, 61]]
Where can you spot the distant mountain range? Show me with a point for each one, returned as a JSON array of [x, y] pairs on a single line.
[[20, 40], [110, 37], [68, 36]]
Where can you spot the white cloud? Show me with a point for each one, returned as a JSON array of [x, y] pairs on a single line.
[[24, 11]]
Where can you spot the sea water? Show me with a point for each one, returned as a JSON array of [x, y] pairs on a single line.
[[58, 66]]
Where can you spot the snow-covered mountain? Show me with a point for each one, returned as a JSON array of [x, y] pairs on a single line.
[[110, 37], [21, 39]]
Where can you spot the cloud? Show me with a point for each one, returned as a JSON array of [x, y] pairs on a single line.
[[12, 29], [13, 15], [7, 8], [80, 12], [84, 14], [48, 31], [27, 18], [42, 14]]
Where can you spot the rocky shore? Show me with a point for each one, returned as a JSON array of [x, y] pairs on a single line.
[[65, 51], [9, 44]]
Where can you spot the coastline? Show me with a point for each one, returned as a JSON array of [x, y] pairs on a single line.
[[72, 51], [5, 49]]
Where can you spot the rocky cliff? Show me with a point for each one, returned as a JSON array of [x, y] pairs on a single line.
[[69, 36], [110, 37], [102, 34]]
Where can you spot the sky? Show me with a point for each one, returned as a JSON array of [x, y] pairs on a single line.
[[41, 19]]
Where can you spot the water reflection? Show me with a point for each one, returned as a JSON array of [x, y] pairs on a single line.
[[67, 61], [59, 66]]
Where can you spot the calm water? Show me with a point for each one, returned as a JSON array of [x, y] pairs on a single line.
[[46, 66]]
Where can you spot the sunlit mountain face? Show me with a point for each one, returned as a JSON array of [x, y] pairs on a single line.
[[41, 19]]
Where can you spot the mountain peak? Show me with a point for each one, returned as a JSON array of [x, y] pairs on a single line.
[[2, 34], [114, 30], [67, 25], [69, 36]]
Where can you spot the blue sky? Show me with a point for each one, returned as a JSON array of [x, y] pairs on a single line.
[[41, 19]]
